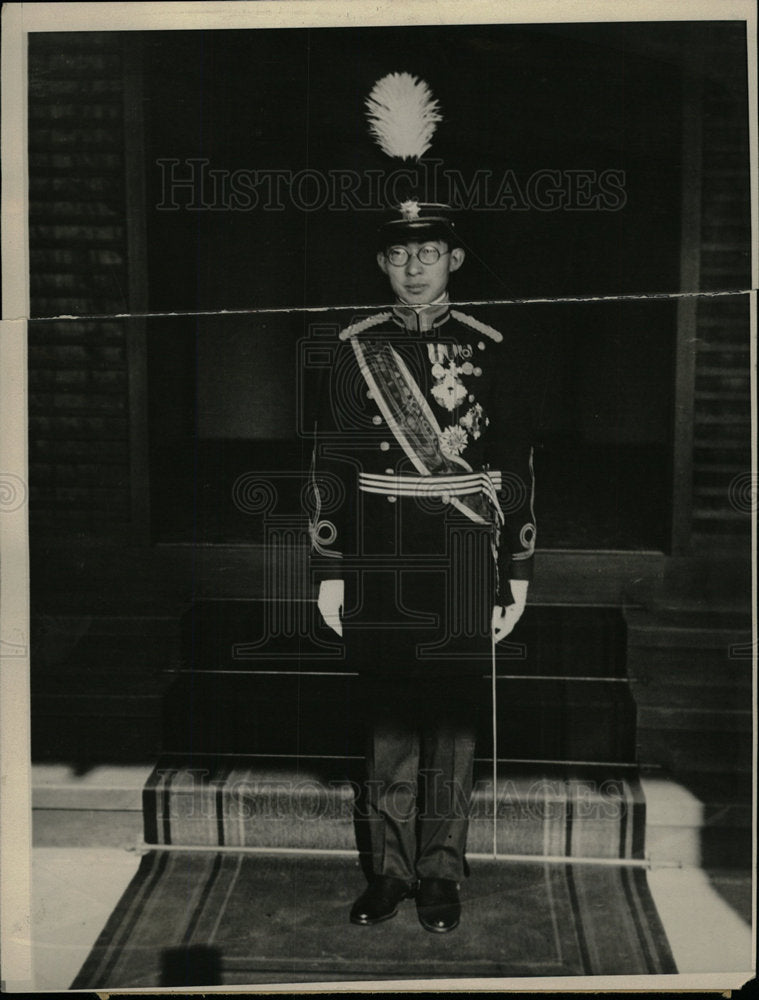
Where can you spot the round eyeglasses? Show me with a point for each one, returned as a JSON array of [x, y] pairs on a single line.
[[428, 254]]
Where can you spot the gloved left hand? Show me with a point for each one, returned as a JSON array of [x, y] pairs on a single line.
[[505, 618]]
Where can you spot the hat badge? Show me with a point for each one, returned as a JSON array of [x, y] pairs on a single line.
[[409, 210]]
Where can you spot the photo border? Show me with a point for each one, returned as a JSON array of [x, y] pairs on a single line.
[[20, 20]]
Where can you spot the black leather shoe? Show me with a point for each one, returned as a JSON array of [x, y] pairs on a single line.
[[437, 904], [380, 899]]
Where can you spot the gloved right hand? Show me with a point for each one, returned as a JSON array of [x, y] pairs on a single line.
[[330, 603]]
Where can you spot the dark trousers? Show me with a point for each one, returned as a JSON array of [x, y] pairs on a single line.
[[419, 758]]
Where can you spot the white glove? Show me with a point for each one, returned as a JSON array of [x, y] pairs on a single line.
[[505, 618], [330, 603]]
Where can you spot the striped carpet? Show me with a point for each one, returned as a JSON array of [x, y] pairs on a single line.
[[579, 812], [209, 918]]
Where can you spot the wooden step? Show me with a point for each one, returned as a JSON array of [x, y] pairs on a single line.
[[694, 720], [686, 668], [720, 695], [730, 434], [646, 631], [728, 468], [729, 520], [731, 327], [319, 714], [258, 635], [730, 419], [723, 346], [733, 372], [708, 752], [704, 658], [721, 536], [704, 494]]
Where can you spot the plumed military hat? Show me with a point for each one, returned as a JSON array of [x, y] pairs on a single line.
[[402, 116]]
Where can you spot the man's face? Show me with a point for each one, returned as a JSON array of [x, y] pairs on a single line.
[[415, 282]]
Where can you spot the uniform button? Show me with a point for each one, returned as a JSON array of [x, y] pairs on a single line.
[[384, 446], [471, 397], [445, 497], [369, 394], [467, 368], [391, 499], [376, 419], [389, 472], [478, 371], [481, 345]]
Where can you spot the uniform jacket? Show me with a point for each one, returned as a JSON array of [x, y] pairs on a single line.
[[476, 381]]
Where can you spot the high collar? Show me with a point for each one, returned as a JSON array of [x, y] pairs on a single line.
[[421, 319]]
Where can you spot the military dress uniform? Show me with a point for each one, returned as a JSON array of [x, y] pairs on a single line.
[[423, 486]]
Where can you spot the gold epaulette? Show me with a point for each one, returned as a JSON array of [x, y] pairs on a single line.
[[364, 324], [475, 324]]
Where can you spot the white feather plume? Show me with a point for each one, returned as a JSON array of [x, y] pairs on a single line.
[[402, 115]]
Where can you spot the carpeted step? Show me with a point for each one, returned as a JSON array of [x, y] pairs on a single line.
[[318, 714], [207, 918], [316, 803]]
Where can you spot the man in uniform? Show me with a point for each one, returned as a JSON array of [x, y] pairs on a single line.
[[422, 543]]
